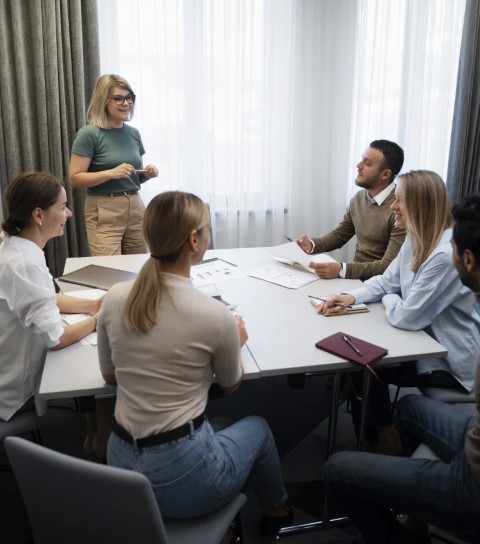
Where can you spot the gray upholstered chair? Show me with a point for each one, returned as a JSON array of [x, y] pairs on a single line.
[[452, 396], [21, 423], [77, 501]]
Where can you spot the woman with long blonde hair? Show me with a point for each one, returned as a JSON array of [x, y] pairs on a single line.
[[162, 341], [421, 290]]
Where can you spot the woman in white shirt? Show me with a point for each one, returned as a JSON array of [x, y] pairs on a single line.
[[421, 290], [162, 341], [29, 308]]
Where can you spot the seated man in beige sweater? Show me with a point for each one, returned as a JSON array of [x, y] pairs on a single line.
[[368, 217]]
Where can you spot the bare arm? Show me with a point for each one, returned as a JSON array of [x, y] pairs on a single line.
[[81, 178], [73, 333], [243, 338], [74, 305], [109, 379]]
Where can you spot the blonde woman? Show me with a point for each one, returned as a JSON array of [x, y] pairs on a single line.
[[106, 160], [162, 341], [421, 290]]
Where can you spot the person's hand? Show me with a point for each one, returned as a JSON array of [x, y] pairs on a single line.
[[304, 242], [150, 172], [326, 271], [97, 304], [122, 171], [241, 329], [329, 306]]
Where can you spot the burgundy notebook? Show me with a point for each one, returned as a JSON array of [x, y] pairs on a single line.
[[351, 348]]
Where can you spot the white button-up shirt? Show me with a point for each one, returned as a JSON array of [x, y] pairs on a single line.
[[30, 321]]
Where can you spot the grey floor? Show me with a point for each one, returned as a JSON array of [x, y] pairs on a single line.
[[298, 418]]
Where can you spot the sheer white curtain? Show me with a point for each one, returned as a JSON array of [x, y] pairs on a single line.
[[263, 107]]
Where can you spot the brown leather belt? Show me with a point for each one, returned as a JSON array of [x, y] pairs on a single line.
[[123, 193]]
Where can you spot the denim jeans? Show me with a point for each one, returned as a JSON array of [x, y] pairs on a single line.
[[197, 474], [443, 493]]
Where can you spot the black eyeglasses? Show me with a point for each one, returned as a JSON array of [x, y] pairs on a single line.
[[120, 100]]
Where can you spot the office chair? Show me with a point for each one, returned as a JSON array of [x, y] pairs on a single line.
[[452, 396], [21, 423], [77, 501]]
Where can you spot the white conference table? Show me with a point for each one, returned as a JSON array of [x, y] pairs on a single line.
[[283, 328], [282, 325]]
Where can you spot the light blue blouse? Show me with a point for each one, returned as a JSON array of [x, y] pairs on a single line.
[[435, 300]]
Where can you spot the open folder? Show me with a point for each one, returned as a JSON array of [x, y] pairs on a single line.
[[97, 277], [294, 256], [352, 348]]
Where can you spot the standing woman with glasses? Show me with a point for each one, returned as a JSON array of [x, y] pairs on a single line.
[[107, 161]]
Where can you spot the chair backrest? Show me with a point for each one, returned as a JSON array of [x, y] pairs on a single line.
[[21, 423], [76, 501]]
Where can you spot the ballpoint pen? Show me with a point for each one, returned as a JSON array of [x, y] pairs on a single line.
[[289, 239], [350, 343], [349, 306]]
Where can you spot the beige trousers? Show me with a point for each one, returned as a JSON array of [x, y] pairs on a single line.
[[114, 224]]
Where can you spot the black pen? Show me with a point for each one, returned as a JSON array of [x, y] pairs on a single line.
[[289, 239], [350, 343], [333, 304]]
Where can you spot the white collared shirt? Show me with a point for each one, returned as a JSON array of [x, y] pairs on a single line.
[[30, 321], [380, 198]]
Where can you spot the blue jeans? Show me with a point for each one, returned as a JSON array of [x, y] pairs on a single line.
[[443, 493], [197, 474]]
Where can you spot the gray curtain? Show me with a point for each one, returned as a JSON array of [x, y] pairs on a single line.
[[463, 175], [49, 62]]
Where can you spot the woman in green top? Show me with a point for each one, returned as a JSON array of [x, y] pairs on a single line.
[[107, 161]]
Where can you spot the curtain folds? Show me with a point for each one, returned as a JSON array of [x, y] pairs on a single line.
[[464, 165], [264, 107], [49, 62]]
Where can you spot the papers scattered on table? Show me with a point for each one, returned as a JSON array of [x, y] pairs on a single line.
[[293, 255], [286, 277], [214, 271], [71, 319]]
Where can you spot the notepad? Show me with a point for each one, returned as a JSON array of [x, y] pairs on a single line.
[[354, 309], [98, 277], [337, 345]]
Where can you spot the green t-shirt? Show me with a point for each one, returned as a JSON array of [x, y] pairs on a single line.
[[108, 148]]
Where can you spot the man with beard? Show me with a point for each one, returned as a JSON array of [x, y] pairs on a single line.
[[368, 217]]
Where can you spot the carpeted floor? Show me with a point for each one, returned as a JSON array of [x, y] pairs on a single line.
[[297, 417]]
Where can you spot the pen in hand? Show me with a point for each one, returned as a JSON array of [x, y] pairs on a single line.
[[350, 343], [333, 304], [289, 239]]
